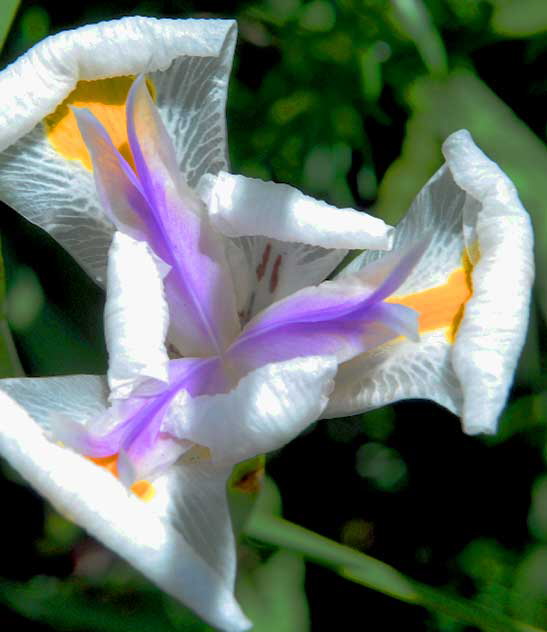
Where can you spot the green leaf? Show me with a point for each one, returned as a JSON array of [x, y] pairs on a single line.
[[519, 18], [272, 594], [372, 573], [8, 9], [9, 361]]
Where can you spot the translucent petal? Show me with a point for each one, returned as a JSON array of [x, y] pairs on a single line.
[[97, 501], [189, 62], [472, 287]]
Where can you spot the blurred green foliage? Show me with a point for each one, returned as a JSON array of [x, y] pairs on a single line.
[[349, 100]]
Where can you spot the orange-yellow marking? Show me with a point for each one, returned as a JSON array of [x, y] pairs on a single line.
[[442, 306], [143, 489], [105, 98]]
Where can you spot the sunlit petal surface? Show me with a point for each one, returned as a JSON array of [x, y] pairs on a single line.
[[136, 318], [241, 206], [45, 171], [150, 540], [471, 289]]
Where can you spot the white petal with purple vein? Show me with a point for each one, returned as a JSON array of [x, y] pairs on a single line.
[[97, 501]]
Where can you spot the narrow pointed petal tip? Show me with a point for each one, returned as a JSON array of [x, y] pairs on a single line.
[[94, 499], [241, 206]]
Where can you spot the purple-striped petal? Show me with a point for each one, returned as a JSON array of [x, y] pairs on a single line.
[[199, 287], [333, 318]]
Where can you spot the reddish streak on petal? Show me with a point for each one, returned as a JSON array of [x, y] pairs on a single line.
[[274, 279], [261, 269]]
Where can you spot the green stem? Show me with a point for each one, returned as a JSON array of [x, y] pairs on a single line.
[[373, 573]]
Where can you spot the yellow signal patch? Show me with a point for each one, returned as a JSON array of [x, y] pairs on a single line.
[[105, 98], [442, 306]]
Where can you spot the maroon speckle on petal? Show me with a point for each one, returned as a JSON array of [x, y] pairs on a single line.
[[261, 268], [274, 279]]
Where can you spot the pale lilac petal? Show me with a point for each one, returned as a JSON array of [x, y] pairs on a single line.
[[267, 408], [136, 319], [117, 186], [473, 211], [97, 501], [199, 287], [332, 318], [240, 206], [188, 62]]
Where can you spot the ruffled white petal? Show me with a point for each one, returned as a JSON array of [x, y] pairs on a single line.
[[93, 498], [188, 62], [268, 408], [493, 329], [240, 206], [78, 397], [136, 319], [471, 207]]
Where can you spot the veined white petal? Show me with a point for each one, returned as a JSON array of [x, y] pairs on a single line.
[[188, 63], [494, 325], [240, 206], [97, 501], [472, 330], [268, 270], [192, 497], [78, 397], [136, 319], [268, 408]]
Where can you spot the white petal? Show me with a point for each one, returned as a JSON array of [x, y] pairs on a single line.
[[192, 497], [472, 208], [78, 397], [136, 319], [240, 206], [93, 498], [268, 270], [493, 329], [268, 408], [188, 62]]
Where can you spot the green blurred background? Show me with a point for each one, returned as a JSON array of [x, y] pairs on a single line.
[[349, 101]]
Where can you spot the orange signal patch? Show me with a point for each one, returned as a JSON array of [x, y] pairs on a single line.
[[143, 489], [105, 98], [442, 306]]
